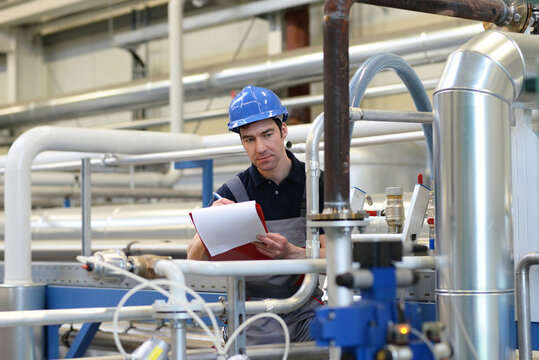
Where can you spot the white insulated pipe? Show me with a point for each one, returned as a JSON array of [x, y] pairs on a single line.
[[175, 44], [64, 316], [17, 191], [251, 267]]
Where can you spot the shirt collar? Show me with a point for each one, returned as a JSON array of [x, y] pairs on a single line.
[[294, 174]]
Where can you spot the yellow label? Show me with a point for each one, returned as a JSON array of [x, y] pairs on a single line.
[[155, 353]]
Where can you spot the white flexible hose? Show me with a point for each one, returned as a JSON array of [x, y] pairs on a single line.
[[153, 284], [254, 318]]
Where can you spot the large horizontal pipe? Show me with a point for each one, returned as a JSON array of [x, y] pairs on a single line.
[[289, 103], [292, 66], [67, 250], [162, 221], [493, 11], [137, 193]]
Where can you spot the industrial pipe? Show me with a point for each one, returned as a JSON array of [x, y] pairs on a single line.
[[336, 113], [17, 192], [289, 103], [473, 110], [65, 316], [68, 250], [298, 351], [309, 267], [251, 267], [513, 15], [387, 61], [493, 11], [293, 66], [523, 305], [175, 42], [238, 150]]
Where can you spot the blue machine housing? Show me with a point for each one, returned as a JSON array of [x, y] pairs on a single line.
[[361, 330]]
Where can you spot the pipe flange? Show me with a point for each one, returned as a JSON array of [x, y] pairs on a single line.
[[339, 215], [518, 17], [338, 218], [337, 223]]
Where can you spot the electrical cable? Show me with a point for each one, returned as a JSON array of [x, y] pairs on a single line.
[[142, 280], [153, 284], [422, 337], [248, 322]]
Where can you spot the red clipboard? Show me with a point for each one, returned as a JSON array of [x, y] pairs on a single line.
[[244, 252]]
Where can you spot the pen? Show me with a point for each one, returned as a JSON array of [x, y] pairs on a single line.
[[217, 196]]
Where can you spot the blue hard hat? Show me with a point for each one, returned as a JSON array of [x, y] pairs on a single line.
[[254, 104]]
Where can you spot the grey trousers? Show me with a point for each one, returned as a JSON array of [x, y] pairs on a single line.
[[269, 331]]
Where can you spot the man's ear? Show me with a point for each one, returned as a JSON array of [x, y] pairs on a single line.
[[284, 130]]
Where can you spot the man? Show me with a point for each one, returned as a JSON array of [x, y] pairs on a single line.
[[276, 180]]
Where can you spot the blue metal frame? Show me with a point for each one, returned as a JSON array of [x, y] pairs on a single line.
[[207, 176], [82, 340], [69, 297]]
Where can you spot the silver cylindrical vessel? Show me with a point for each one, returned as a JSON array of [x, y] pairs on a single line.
[[25, 342], [473, 108]]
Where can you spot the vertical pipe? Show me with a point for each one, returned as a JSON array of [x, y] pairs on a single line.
[[22, 342], [523, 304], [86, 206], [336, 114], [178, 341], [175, 15], [338, 263], [473, 107]]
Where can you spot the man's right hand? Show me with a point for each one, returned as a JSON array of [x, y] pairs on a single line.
[[195, 249], [222, 201]]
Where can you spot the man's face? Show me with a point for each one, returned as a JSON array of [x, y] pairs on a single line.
[[264, 143]]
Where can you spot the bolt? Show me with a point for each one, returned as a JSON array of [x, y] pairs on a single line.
[[516, 17]]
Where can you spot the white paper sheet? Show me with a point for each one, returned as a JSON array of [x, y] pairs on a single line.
[[225, 227]]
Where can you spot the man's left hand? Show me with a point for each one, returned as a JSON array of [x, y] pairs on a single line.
[[276, 246]]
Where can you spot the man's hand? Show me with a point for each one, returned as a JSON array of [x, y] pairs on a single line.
[[222, 201], [277, 246]]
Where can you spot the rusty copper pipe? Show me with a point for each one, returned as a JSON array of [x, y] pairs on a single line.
[[493, 11], [336, 115]]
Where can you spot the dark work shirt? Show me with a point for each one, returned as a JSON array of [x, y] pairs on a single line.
[[283, 201]]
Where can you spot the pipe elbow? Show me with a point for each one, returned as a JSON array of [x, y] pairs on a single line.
[[340, 8], [491, 62], [527, 262]]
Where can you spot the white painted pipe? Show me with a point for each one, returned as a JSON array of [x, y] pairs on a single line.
[[376, 237], [172, 272], [175, 15], [251, 267], [416, 262], [64, 316], [19, 160]]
